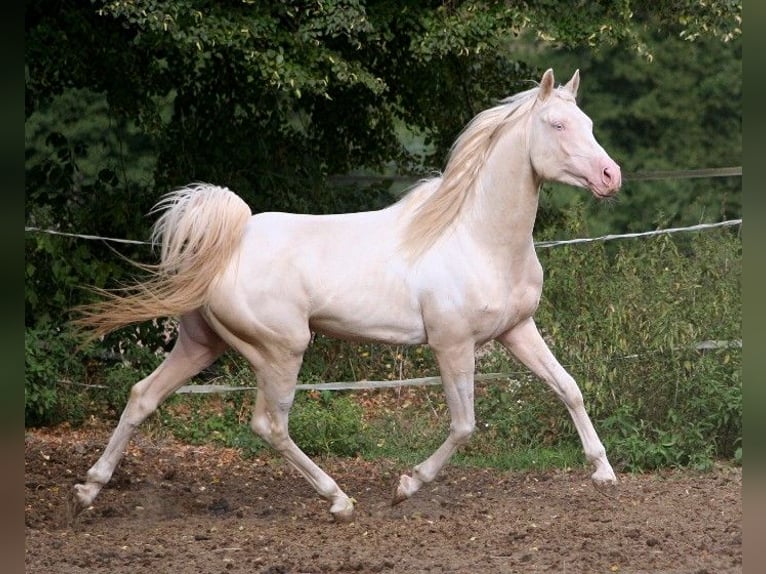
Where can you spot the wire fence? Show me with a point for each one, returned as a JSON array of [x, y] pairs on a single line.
[[667, 231], [436, 380], [206, 389], [735, 171], [366, 385], [610, 237], [211, 388]]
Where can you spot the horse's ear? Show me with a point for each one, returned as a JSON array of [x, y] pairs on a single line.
[[546, 85], [574, 83]]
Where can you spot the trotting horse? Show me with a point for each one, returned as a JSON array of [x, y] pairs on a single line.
[[452, 264]]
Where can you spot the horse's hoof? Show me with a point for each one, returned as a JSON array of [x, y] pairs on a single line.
[[343, 511], [81, 498], [604, 478], [398, 497], [85, 493], [74, 507], [405, 489], [605, 482]]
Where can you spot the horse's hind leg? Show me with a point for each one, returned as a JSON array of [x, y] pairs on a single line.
[[276, 391], [197, 347], [276, 356]]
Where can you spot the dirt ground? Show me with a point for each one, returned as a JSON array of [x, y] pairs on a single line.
[[175, 508]]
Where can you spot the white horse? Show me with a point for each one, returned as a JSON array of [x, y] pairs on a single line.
[[452, 264]]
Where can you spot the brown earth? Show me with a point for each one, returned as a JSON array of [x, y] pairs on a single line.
[[175, 508]]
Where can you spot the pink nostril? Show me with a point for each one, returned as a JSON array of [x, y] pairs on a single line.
[[610, 175]]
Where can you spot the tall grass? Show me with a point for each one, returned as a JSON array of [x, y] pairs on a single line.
[[628, 321]]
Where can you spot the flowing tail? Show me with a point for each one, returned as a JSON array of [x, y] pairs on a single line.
[[200, 228]]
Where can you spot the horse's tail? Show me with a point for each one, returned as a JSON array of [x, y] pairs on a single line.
[[200, 229]]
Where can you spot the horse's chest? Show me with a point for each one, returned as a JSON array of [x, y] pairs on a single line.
[[506, 303], [467, 299], [498, 312]]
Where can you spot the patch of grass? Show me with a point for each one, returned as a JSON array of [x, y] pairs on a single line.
[[565, 455], [407, 435], [328, 423]]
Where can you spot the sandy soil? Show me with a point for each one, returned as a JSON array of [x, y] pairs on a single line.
[[175, 508]]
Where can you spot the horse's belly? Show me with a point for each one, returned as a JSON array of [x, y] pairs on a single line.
[[379, 322]]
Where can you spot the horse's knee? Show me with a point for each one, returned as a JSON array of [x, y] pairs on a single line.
[[575, 400], [567, 390], [138, 390], [572, 396], [140, 404], [280, 439]]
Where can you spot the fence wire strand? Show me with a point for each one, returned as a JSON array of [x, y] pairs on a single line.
[[552, 243], [667, 231], [423, 381]]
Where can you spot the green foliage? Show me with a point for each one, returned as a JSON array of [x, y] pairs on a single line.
[[329, 359], [517, 415], [628, 321], [64, 174], [133, 363], [203, 420], [328, 423], [270, 97], [66, 381], [51, 367], [320, 424]]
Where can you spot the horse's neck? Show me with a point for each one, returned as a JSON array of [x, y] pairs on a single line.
[[503, 210]]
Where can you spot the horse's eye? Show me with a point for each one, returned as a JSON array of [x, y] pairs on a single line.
[[558, 126]]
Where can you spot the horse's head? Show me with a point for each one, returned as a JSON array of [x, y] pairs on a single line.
[[561, 142]]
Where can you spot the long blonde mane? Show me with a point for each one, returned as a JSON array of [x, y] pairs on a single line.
[[459, 181]]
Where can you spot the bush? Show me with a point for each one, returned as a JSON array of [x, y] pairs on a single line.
[[51, 366], [627, 320], [328, 423], [129, 366]]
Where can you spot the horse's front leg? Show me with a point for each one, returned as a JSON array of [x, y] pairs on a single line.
[[526, 343], [456, 365]]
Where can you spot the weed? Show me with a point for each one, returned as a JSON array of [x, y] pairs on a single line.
[[327, 423]]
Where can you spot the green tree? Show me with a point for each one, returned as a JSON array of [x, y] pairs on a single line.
[[272, 97]]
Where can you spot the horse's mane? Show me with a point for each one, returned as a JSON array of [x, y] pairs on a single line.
[[458, 182]]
